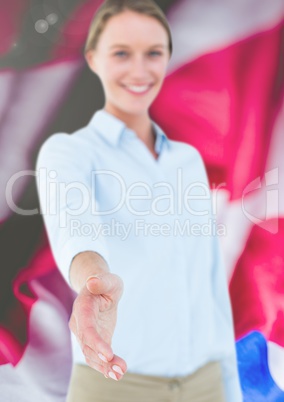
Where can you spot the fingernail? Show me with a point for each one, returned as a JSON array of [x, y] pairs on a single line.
[[117, 369], [102, 357], [92, 277], [112, 375]]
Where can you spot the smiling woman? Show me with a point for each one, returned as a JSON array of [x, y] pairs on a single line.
[[173, 335], [131, 67]]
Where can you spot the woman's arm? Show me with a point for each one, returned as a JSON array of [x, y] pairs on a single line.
[[64, 183]]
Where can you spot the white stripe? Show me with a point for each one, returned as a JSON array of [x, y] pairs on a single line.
[[202, 26], [44, 371], [263, 204], [7, 84], [37, 94], [276, 363]]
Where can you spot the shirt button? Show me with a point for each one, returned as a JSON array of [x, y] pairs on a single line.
[[174, 385]]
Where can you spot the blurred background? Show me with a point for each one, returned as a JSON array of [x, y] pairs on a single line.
[[224, 94]]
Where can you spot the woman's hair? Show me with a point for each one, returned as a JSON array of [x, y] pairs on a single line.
[[109, 8]]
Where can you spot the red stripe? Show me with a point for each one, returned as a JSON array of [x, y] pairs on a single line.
[[257, 285], [74, 34], [11, 17], [225, 104]]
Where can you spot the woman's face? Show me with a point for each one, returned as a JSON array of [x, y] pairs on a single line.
[[131, 58]]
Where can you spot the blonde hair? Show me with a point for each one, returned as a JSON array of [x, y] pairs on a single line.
[[109, 8]]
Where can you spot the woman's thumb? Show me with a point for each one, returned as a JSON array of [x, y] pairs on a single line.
[[96, 284]]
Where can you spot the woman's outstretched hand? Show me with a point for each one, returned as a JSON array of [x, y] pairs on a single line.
[[93, 321]]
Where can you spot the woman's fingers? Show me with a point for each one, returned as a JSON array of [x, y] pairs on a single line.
[[107, 372], [96, 355], [90, 337], [116, 366], [93, 321]]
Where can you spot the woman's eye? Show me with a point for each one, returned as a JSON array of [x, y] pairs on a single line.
[[121, 53], [155, 53]]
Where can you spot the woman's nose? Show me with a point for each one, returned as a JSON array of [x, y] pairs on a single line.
[[139, 67]]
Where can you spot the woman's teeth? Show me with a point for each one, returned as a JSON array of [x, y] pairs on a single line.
[[138, 89]]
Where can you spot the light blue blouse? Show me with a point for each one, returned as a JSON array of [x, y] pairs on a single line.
[[152, 220]]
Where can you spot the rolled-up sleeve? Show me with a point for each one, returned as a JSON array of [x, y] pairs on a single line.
[[66, 197]]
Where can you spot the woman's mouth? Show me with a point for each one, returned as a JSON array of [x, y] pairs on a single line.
[[138, 89]]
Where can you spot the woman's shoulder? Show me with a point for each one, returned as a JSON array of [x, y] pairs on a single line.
[[76, 137], [68, 142], [62, 147]]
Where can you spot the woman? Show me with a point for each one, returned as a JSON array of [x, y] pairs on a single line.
[[147, 288]]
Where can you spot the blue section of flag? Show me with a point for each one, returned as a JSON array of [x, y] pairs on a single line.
[[256, 380]]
